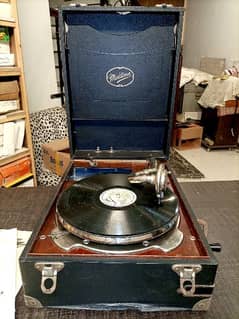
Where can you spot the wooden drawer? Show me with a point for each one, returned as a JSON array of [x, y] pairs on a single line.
[[188, 137]]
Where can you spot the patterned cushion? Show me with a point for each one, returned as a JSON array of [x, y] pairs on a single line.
[[48, 178], [47, 125]]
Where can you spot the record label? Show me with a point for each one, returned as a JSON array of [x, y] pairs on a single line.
[[118, 197]]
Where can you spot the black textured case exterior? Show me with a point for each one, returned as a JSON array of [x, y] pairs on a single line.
[[114, 282], [141, 132], [120, 68]]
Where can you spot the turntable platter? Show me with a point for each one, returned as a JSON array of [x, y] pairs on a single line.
[[107, 209]]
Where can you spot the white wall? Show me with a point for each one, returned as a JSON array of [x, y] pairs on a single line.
[[38, 59], [212, 29], [58, 3]]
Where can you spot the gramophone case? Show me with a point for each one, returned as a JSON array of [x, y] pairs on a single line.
[[120, 69]]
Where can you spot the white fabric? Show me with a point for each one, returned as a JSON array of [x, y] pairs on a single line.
[[218, 91], [194, 75]]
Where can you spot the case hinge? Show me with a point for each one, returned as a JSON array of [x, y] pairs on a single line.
[[187, 274], [49, 273]]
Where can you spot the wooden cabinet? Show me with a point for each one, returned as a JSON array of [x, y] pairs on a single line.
[[219, 131], [10, 72]]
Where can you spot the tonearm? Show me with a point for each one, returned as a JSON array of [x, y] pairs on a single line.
[[157, 176]]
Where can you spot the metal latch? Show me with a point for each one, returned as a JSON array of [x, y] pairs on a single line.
[[187, 274], [49, 275]]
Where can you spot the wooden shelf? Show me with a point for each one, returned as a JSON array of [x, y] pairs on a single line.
[[10, 71], [16, 72], [8, 159], [19, 180], [12, 116], [7, 23]]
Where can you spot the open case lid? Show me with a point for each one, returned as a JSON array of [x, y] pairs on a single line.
[[120, 68]]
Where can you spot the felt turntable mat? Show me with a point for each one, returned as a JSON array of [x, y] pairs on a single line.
[[215, 202]]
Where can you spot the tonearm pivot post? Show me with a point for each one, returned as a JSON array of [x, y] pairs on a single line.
[[156, 176]]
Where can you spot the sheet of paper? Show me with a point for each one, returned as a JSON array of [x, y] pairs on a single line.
[[9, 105], [8, 138], [22, 239], [20, 128], [8, 253]]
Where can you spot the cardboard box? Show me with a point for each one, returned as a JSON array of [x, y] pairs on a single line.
[[9, 90], [211, 65], [56, 156]]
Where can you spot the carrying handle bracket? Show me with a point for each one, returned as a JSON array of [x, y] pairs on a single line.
[[49, 273], [187, 274]]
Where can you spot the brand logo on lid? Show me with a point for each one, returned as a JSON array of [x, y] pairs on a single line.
[[120, 77]]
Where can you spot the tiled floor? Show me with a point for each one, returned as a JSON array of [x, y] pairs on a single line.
[[216, 165]]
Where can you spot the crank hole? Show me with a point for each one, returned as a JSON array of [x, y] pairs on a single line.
[[48, 283], [187, 285]]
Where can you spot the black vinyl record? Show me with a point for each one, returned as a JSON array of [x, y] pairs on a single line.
[[107, 209]]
